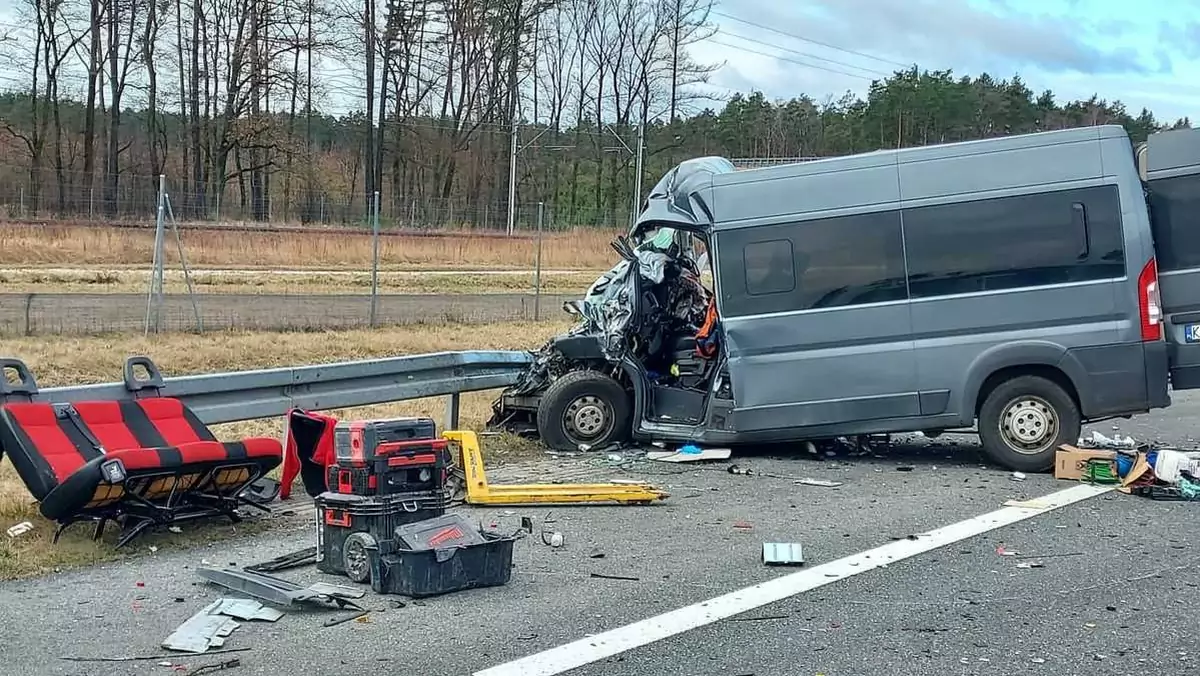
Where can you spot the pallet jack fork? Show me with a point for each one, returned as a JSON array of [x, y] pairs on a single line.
[[480, 493]]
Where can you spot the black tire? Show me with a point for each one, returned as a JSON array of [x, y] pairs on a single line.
[[583, 408], [1024, 420], [356, 560]]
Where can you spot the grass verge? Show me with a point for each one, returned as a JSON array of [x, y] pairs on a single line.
[[97, 245], [99, 359]]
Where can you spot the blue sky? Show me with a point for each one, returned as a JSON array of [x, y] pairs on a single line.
[[1144, 53]]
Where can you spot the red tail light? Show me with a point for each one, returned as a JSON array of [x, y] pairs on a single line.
[[1149, 302]]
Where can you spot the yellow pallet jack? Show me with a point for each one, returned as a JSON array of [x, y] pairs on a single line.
[[478, 492]]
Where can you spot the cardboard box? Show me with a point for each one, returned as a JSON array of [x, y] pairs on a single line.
[[1070, 462]]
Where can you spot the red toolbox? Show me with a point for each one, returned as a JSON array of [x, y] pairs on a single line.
[[387, 457]]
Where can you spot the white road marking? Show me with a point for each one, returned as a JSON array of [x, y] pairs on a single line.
[[615, 641]]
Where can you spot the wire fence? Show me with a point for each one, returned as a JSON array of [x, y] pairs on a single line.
[[38, 314], [134, 203]]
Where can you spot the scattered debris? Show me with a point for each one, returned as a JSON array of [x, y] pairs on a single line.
[[743, 525], [527, 637], [19, 529], [554, 540], [218, 666], [690, 454], [349, 618], [247, 609], [905, 468], [602, 576], [144, 658], [595, 554], [208, 628], [1027, 504], [1018, 476], [175, 529], [1038, 660], [783, 554], [1031, 564], [1098, 440], [303, 557], [821, 483], [760, 618], [1005, 552], [278, 591]]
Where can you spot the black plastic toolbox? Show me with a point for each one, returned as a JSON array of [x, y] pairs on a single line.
[[347, 525], [431, 572]]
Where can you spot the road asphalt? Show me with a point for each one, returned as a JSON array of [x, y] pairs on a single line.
[[1115, 592]]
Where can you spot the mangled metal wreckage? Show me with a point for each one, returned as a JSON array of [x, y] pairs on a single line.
[[645, 355]]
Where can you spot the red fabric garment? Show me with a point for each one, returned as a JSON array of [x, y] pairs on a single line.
[[322, 452]]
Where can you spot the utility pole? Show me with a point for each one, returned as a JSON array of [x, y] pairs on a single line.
[[637, 181], [513, 153], [512, 180]]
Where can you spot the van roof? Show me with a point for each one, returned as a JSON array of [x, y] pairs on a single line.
[[877, 158]]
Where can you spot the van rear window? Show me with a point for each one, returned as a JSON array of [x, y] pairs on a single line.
[[1014, 242], [1175, 222]]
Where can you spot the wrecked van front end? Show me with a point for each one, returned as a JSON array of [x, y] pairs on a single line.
[[648, 324]]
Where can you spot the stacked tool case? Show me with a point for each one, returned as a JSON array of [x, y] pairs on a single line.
[[387, 457], [439, 556], [388, 473]]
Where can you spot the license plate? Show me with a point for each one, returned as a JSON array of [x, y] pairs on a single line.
[[1191, 333]]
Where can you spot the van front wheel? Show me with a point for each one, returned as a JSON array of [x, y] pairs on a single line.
[[583, 408], [1023, 421]]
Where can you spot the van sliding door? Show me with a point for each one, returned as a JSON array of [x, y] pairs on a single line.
[[817, 322]]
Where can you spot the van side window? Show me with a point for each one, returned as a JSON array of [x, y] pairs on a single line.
[[1014, 242], [825, 263], [770, 267], [1175, 222]]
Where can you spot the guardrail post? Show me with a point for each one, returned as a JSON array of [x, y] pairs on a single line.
[[452, 404]]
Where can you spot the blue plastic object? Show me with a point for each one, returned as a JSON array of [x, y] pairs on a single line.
[[690, 449], [1124, 464]]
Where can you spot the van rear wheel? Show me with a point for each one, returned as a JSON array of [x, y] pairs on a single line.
[[1023, 421], [583, 408]]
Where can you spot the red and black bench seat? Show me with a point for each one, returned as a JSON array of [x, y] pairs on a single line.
[[172, 466]]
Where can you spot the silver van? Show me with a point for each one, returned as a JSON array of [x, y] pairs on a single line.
[[1008, 284]]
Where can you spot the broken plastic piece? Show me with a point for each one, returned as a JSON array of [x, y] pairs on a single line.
[[291, 560], [206, 629], [683, 455], [783, 554], [19, 529], [822, 483]]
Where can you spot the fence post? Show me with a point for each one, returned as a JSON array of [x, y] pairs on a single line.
[[28, 314], [374, 257], [537, 267], [452, 405]]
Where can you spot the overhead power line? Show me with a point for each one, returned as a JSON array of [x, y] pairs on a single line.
[[804, 54], [789, 60], [811, 40]]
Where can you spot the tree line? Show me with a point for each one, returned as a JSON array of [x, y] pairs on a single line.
[[301, 110]]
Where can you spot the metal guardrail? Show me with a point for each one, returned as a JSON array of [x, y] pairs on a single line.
[[249, 395]]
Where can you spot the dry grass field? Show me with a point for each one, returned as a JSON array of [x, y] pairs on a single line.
[[87, 360], [67, 245]]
